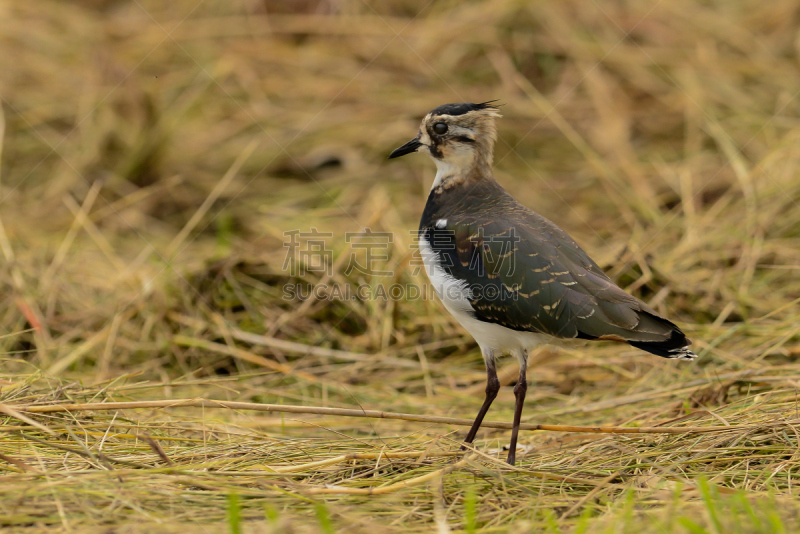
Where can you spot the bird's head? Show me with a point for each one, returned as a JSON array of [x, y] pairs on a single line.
[[459, 137]]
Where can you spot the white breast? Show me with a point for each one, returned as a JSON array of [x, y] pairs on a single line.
[[455, 296], [454, 293]]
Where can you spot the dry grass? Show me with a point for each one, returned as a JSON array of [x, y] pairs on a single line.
[[154, 154]]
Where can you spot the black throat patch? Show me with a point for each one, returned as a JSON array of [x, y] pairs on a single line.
[[435, 148]]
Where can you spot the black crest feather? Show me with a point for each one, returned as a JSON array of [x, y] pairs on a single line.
[[462, 108]]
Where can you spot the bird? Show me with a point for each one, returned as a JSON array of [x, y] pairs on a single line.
[[512, 278]]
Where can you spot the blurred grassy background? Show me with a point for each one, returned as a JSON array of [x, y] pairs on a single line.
[[154, 154]]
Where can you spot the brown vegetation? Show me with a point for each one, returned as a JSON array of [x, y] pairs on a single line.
[[153, 154]]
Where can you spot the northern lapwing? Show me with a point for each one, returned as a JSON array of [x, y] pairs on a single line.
[[513, 279]]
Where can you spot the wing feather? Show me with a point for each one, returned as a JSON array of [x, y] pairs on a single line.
[[531, 276]]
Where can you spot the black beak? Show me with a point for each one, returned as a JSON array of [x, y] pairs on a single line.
[[407, 148]]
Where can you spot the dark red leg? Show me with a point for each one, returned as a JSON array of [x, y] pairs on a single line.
[[519, 393], [492, 387]]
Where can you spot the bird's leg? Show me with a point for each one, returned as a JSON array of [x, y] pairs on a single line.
[[492, 387], [519, 393]]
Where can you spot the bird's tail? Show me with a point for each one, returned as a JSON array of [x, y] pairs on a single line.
[[677, 346]]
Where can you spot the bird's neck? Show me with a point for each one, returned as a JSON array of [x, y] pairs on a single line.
[[465, 197], [457, 171]]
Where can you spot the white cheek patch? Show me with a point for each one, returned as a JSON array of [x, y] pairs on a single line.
[[453, 158], [424, 138]]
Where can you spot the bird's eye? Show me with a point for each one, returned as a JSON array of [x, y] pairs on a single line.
[[440, 128]]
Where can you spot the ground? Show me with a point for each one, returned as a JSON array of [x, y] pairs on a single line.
[[184, 190]]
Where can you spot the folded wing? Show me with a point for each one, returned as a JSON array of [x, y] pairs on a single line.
[[531, 276]]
